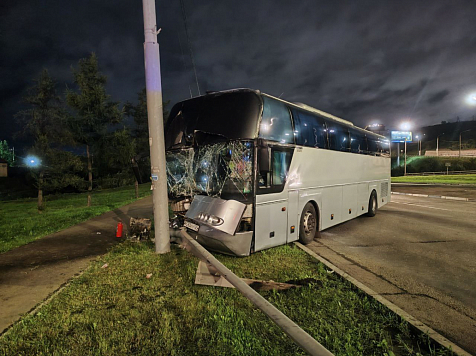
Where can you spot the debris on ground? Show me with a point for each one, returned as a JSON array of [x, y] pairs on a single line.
[[140, 228], [105, 265], [148, 275]]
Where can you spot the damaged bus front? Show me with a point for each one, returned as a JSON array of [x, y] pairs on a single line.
[[210, 142]]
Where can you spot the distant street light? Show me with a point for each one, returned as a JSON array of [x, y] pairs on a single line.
[[437, 140], [460, 141], [418, 137], [32, 161], [471, 99]]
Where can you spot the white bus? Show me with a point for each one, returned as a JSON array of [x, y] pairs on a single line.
[[247, 171]]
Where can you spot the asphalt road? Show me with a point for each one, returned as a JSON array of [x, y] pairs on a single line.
[[420, 253]]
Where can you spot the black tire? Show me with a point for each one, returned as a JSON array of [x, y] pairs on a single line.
[[309, 224], [373, 204]]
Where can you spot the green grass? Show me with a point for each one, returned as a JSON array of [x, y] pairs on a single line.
[[118, 311], [443, 179], [20, 222]]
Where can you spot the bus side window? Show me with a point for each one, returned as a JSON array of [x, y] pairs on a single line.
[[310, 130], [358, 142], [281, 162], [338, 137], [383, 147], [372, 144], [276, 122]]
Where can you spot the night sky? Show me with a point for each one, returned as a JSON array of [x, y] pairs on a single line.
[[366, 61]]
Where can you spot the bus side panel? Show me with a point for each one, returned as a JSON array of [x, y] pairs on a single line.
[[293, 216], [349, 201], [271, 221], [363, 198], [331, 206]]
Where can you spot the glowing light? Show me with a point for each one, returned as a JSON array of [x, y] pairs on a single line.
[[32, 161], [405, 126], [471, 99]]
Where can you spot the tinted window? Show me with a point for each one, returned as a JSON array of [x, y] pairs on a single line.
[[358, 141], [383, 147], [223, 115], [309, 129], [338, 137], [276, 122], [372, 145], [281, 162]]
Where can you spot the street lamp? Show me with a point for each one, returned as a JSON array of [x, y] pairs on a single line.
[[471, 99], [418, 137], [437, 140], [32, 161], [460, 141], [406, 126]]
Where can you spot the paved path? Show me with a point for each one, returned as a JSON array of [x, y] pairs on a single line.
[[420, 254], [28, 274]]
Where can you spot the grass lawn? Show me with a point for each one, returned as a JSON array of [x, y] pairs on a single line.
[[443, 179], [20, 222], [118, 311]]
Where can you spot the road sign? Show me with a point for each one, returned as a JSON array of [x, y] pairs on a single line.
[[401, 136], [448, 164]]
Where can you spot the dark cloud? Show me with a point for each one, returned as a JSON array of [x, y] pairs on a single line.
[[365, 61], [437, 97]]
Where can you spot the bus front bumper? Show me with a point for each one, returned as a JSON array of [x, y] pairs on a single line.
[[214, 240]]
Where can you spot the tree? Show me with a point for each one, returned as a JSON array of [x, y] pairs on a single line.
[[6, 153], [94, 111], [141, 131], [43, 122]]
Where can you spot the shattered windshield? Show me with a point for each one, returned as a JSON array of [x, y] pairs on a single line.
[[209, 118], [222, 170]]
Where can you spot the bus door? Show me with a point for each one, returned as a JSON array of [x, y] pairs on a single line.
[[271, 219]]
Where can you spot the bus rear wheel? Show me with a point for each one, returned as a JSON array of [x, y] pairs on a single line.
[[373, 205], [309, 224]]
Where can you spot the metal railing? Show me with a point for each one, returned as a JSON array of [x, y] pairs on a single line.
[[441, 173]]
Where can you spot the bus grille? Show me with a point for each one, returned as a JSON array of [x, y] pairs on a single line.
[[384, 189]]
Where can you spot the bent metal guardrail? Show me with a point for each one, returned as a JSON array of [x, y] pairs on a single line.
[[300, 337]]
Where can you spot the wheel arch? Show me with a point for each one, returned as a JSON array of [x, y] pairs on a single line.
[[318, 212]]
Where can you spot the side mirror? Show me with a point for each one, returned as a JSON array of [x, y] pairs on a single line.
[[263, 157]]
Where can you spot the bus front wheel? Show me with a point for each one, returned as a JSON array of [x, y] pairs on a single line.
[[309, 224], [373, 205]]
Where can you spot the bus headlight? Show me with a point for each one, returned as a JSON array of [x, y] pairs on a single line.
[[210, 219]]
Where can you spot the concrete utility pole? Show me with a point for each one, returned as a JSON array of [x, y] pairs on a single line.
[[156, 128]]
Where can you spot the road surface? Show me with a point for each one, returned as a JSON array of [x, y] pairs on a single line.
[[420, 253]]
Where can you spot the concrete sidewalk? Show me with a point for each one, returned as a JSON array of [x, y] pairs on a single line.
[[30, 273]]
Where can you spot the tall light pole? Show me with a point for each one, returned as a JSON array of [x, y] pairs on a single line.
[[418, 137], [153, 87], [405, 164], [406, 126], [460, 140]]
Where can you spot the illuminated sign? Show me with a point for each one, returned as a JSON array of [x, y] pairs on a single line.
[[401, 136]]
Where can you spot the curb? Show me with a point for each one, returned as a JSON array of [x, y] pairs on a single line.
[[425, 329], [433, 196]]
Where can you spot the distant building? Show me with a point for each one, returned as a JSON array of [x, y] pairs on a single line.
[[3, 168]]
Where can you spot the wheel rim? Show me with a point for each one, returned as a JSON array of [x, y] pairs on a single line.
[[309, 222]]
